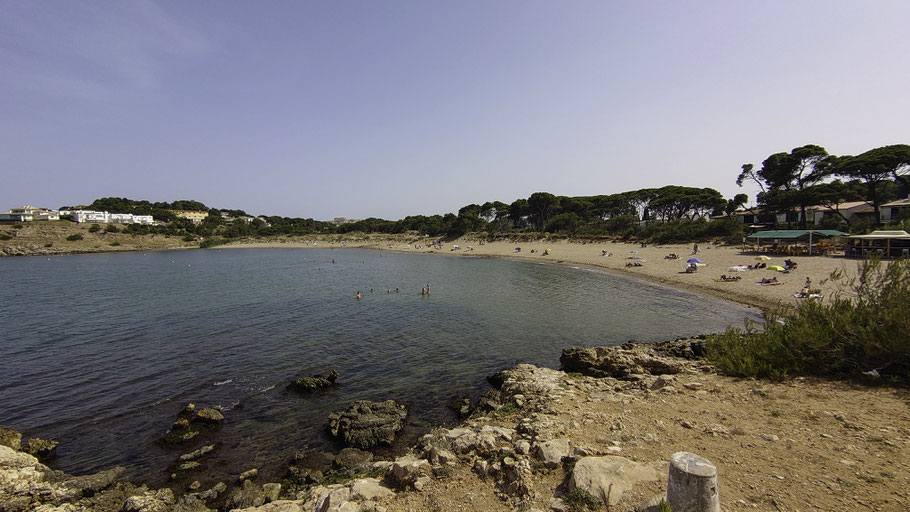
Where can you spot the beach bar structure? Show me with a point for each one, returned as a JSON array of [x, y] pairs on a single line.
[[885, 244], [791, 241]]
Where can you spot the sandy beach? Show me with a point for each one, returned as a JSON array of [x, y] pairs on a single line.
[[654, 267]]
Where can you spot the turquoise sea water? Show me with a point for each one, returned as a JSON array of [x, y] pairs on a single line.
[[101, 351]]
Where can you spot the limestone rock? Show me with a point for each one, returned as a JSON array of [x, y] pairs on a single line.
[[632, 359], [276, 506], [41, 448], [352, 459], [88, 485], [196, 453], [248, 495], [161, 500], [209, 415], [551, 453], [9, 437], [314, 383], [367, 424], [607, 478], [407, 470], [369, 489]]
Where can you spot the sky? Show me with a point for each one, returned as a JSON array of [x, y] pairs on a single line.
[[393, 108]]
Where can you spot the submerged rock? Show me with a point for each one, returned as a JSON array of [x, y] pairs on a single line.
[[209, 415], [368, 424], [314, 383]]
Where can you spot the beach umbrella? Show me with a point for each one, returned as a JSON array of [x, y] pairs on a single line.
[[777, 268], [763, 258], [693, 260]]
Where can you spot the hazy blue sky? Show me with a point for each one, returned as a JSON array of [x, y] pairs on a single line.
[[390, 108]]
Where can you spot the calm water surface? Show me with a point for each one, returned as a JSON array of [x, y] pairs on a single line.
[[101, 351]]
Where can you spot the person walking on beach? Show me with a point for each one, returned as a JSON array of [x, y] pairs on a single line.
[[694, 248]]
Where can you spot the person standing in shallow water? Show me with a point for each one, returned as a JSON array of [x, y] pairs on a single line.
[[358, 295]]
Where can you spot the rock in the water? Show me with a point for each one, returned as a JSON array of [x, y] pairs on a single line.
[[314, 383], [462, 407], [41, 448], [352, 459], [10, 437], [630, 359], [607, 478], [209, 415], [197, 453], [367, 424]]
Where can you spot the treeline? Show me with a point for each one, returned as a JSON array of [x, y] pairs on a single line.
[[809, 175]]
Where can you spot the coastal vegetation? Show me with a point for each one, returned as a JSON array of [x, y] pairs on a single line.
[[789, 183], [863, 331]]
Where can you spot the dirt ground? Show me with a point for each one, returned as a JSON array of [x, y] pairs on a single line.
[[801, 445]]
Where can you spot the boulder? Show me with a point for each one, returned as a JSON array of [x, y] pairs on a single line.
[[607, 478], [196, 453], [551, 453], [368, 489], [407, 470], [314, 383], [10, 437], [41, 448], [367, 424]]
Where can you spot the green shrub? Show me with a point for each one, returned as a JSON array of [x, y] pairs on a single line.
[[864, 327], [4, 236], [73, 238], [578, 500], [94, 229], [115, 244], [111, 228], [49, 244]]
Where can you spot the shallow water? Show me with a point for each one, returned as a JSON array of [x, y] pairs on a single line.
[[101, 351]]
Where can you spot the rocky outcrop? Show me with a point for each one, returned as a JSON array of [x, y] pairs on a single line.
[[26, 484], [632, 361], [314, 383], [368, 424]]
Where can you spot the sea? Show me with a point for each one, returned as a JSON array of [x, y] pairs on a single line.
[[101, 352]]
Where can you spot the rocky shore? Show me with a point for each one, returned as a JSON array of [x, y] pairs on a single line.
[[600, 431]]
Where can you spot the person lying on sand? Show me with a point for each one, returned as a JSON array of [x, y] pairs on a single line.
[[634, 264], [768, 281], [725, 277], [671, 256]]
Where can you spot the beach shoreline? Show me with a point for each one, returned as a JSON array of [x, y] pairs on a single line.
[[655, 268]]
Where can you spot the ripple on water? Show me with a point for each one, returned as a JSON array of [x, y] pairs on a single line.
[[128, 339]]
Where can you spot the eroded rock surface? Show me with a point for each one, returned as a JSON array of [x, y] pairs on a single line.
[[368, 424]]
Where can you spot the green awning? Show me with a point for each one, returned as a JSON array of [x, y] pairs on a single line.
[[796, 233]]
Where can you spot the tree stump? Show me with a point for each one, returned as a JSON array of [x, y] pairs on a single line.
[[692, 484]]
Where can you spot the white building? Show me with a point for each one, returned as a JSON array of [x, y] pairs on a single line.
[[114, 218], [29, 213]]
